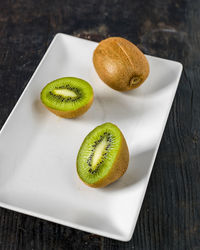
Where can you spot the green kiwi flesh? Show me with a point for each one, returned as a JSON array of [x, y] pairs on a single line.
[[99, 161], [67, 95]]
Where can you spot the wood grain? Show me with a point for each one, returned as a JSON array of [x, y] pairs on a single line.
[[170, 217]]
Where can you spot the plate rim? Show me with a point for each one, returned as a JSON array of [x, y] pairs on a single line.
[[28, 212]]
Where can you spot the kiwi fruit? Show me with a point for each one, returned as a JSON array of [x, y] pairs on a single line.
[[67, 97], [103, 156], [120, 64]]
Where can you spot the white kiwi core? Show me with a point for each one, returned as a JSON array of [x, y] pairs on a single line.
[[65, 92]]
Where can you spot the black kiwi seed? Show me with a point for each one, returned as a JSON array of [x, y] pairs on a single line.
[[89, 160], [68, 99]]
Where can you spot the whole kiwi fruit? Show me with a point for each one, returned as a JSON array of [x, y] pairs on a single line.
[[120, 64], [67, 97], [103, 156]]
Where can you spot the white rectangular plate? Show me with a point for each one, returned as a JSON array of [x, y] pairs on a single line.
[[38, 149]]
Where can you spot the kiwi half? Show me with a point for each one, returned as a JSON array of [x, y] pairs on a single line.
[[120, 64], [67, 97], [103, 156]]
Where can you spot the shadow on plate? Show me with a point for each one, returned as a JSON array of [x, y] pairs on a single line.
[[154, 84], [39, 109], [112, 108], [139, 167]]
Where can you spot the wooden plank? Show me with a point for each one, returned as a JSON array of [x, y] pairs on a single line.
[[169, 218]]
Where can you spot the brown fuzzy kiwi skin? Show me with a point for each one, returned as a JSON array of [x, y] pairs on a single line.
[[120, 64], [118, 169], [73, 113]]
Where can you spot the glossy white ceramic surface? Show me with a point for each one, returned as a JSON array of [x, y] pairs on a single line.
[[38, 149]]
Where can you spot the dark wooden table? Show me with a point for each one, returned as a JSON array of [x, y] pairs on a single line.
[[170, 215]]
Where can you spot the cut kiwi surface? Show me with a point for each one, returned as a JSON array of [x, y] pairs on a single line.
[[103, 156], [67, 97]]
